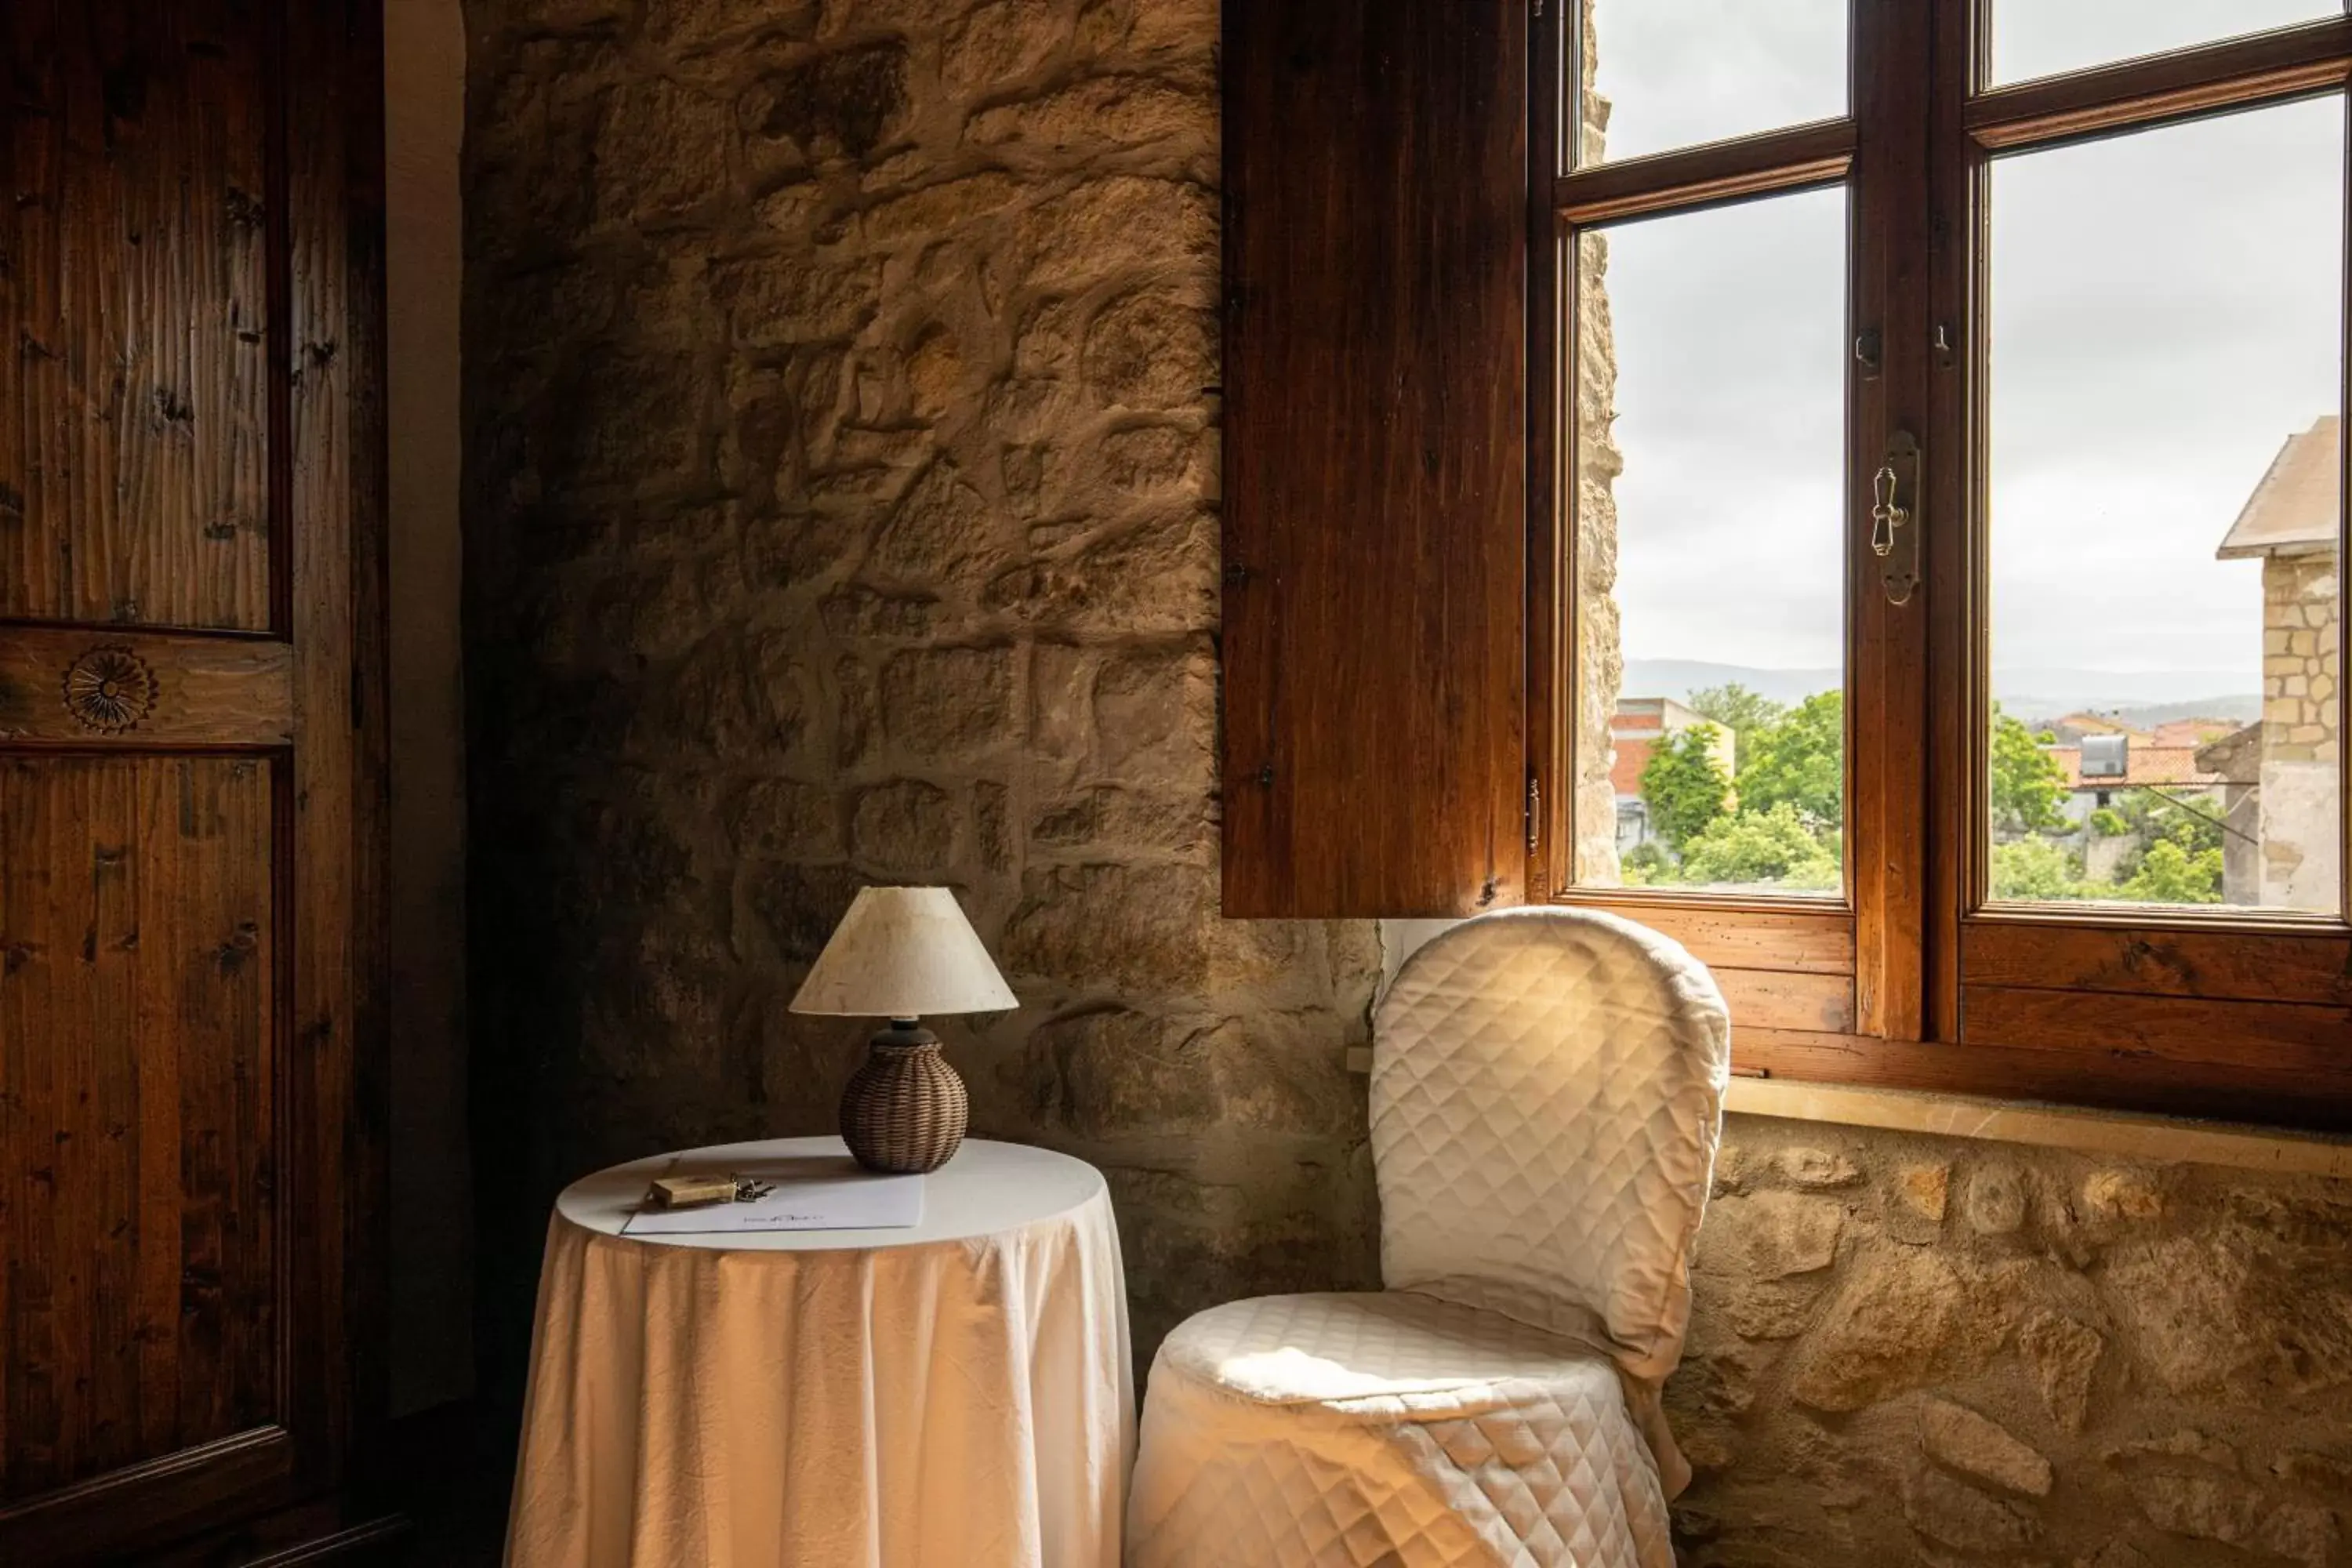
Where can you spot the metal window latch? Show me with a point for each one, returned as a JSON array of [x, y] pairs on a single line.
[[1889, 519]]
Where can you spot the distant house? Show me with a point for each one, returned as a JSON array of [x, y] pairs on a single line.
[[2102, 764], [1640, 724], [2289, 524]]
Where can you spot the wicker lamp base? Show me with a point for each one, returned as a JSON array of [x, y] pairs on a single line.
[[905, 1109]]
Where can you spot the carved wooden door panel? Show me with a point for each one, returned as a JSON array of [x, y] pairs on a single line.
[[189, 793]]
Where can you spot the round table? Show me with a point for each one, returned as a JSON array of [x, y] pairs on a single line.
[[957, 1393]]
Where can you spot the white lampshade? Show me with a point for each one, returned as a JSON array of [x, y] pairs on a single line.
[[904, 952]]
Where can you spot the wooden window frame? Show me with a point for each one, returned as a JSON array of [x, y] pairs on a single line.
[[1912, 979]]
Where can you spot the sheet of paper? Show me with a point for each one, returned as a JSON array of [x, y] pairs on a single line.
[[812, 1193]]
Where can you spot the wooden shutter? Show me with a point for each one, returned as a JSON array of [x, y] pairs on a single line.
[[1375, 447], [191, 715]]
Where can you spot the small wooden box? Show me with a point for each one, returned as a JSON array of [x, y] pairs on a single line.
[[691, 1192]]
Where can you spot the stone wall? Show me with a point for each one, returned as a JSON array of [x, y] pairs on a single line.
[[842, 506], [2302, 811], [1599, 654], [1926, 1350]]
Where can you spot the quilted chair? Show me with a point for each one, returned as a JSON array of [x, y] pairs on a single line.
[[1546, 1101]]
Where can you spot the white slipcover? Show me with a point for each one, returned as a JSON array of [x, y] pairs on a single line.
[[1546, 1102]]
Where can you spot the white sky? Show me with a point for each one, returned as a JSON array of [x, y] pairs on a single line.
[[2165, 312]]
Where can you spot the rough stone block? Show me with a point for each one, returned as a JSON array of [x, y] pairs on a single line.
[[1996, 1200], [845, 103], [1782, 1234], [1957, 1515], [940, 702], [1000, 43], [1114, 111], [1114, 225], [1150, 350], [1957, 1436], [2064, 1357], [1906, 1317], [906, 828]]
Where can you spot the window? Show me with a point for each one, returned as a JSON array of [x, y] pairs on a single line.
[[1939, 468]]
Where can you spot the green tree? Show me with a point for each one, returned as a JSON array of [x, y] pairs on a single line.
[[2169, 874], [2037, 869], [1775, 846], [1685, 785], [1799, 761], [2028, 784], [1739, 710], [1645, 864], [2162, 819]]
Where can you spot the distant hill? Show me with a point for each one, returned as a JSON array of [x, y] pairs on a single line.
[[1678, 677], [2136, 698], [2241, 709]]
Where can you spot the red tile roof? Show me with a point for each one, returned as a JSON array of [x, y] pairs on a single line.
[[2146, 765]]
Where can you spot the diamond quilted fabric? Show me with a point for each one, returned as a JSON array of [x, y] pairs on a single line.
[[1547, 1099]]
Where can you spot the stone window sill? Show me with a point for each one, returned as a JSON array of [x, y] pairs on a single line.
[[2121, 1134], [2172, 1140]]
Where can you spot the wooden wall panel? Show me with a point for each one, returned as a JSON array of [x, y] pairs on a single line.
[[1375, 457], [134, 292], [137, 1314]]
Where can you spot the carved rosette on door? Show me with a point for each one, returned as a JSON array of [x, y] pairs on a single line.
[[109, 690]]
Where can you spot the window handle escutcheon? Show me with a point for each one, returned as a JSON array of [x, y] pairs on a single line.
[[1890, 519]]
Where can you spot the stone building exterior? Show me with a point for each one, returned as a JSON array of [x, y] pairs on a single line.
[[841, 505], [2289, 524]]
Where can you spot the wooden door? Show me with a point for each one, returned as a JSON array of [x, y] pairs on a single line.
[[190, 778]]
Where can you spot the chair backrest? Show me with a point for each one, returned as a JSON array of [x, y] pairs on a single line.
[[1547, 1099]]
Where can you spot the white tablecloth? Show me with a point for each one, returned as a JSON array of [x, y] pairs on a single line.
[[958, 1395]]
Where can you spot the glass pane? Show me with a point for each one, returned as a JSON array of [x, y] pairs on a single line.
[[2043, 38], [1661, 74], [1710, 744], [2164, 361]]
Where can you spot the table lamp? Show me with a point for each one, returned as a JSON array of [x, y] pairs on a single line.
[[903, 953]]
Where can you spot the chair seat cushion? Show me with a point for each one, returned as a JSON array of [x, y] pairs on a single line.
[[1391, 1427]]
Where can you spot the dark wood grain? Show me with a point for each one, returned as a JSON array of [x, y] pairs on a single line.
[[1956, 670], [325, 817], [364, 1311], [1375, 447], [1706, 177], [209, 691], [254, 785], [135, 1060], [2147, 92], [2278, 1036], [133, 474], [2161, 961], [1550, 351], [1887, 643]]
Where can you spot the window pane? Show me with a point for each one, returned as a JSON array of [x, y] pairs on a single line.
[[1710, 744], [2164, 361], [2043, 38], [1661, 74]]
